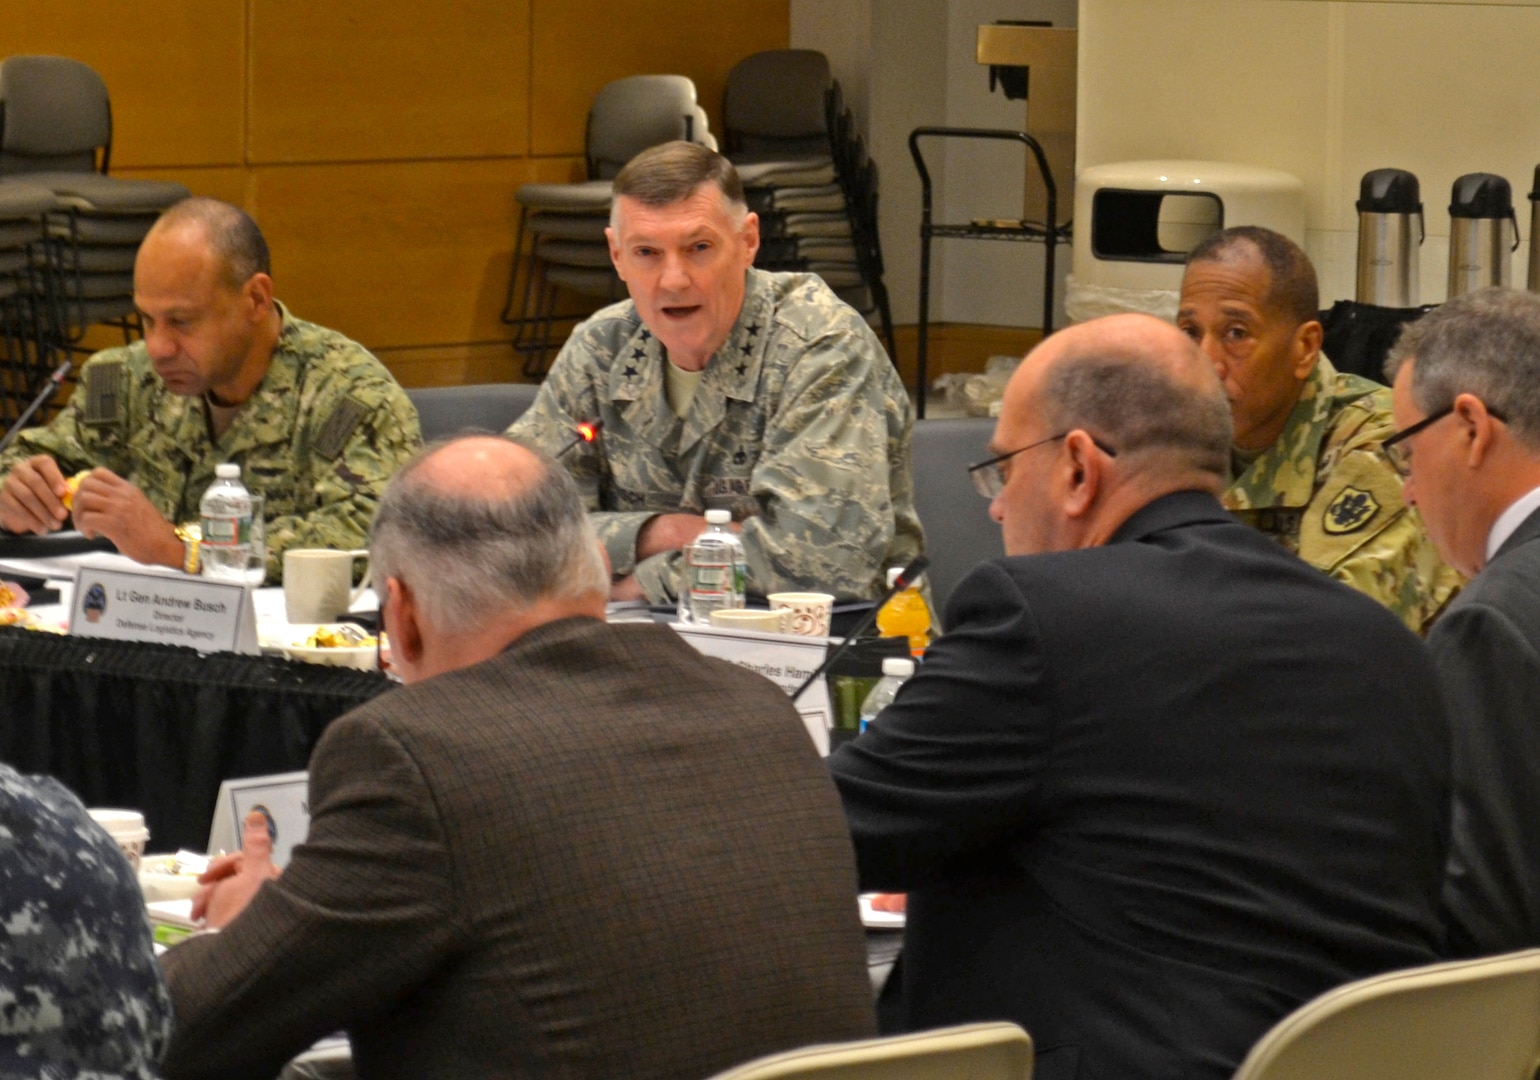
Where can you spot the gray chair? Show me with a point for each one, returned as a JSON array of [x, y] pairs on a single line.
[[990, 1051], [27, 353], [958, 531], [449, 410]]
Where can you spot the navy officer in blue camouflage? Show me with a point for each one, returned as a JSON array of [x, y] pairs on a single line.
[[723, 386]]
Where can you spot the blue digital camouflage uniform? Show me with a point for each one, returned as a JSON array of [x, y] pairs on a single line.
[[800, 426], [81, 993], [1326, 492], [327, 427]]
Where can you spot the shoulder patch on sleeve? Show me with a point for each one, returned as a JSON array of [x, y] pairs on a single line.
[[339, 428], [104, 393], [1349, 510]]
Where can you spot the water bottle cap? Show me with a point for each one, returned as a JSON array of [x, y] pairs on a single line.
[[894, 571], [228, 471], [898, 666], [719, 517]]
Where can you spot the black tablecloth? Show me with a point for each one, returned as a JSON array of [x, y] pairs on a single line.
[[156, 728]]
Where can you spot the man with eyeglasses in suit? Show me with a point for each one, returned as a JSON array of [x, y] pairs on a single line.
[[1161, 781], [1467, 403]]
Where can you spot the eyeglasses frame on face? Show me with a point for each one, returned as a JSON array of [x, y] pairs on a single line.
[[990, 484], [1396, 453]]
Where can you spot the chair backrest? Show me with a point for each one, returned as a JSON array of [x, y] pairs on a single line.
[[996, 1051], [631, 114], [1472, 1019], [449, 410], [56, 116], [778, 94], [958, 531]]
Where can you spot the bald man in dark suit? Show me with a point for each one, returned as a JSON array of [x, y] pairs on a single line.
[[564, 849]]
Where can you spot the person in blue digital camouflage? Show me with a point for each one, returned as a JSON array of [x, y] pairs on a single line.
[[725, 387], [224, 373], [81, 993]]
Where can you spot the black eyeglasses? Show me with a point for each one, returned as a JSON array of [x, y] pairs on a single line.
[[989, 476], [1400, 455]]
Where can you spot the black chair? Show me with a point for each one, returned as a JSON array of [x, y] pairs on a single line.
[[959, 533]]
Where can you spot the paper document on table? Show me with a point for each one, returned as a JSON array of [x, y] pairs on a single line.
[[63, 567]]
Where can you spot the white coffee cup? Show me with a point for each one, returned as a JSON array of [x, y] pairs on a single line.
[[810, 611], [127, 828], [318, 584], [774, 621]]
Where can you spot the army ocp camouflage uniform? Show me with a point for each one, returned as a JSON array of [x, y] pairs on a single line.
[[799, 426], [327, 427], [81, 992], [1326, 492]]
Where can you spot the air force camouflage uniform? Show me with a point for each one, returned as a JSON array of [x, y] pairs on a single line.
[[1326, 492], [799, 426], [327, 427], [81, 993]]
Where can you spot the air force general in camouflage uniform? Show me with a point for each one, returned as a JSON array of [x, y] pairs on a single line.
[[81, 992], [1307, 465], [225, 373], [798, 423]]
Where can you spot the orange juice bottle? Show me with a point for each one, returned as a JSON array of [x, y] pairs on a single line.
[[906, 615]]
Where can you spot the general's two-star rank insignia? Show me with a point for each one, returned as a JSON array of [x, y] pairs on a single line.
[[1351, 510]]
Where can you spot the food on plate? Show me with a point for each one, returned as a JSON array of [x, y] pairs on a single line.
[[893, 902], [341, 636], [12, 595]]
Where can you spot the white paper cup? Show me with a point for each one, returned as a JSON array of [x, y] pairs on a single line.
[[127, 828], [774, 621], [810, 611]]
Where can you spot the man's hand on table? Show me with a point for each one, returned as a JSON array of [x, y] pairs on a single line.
[[667, 532], [232, 880], [32, 499], [108, 505]]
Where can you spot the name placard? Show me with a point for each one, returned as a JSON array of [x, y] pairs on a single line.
[[169, 609], [784, 659]]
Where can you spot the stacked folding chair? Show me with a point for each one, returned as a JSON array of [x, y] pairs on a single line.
[[811, 185], [56, 132], [561, 248], [27, 355]]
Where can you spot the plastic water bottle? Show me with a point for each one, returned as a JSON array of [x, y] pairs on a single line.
[[226, 519], [895, 669], [906, 615], [714, 570]]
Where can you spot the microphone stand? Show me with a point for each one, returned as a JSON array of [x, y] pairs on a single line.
[[902, 582], [50, 388]]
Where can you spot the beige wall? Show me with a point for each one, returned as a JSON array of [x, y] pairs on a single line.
[[379, 144], [1326, 91]]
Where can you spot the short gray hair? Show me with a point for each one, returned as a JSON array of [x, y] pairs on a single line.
[[1485, 343], [232, 235], [471, 558], [670, 172], [1139, 410]]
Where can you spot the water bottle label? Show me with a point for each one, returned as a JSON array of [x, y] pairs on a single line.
[[222, 531], [708, 578]]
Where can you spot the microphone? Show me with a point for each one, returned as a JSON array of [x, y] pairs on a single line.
[[902, 582], [587, 432], [50, 388]]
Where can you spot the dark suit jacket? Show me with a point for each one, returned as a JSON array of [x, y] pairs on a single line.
[[1486, 648], [1149, 797], [599, 854]]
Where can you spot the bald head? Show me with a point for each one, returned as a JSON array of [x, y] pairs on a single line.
[[1140, 385], [482, 528], [228, 231]]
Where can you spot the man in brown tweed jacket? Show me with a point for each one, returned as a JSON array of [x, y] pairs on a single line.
[[564, 849]]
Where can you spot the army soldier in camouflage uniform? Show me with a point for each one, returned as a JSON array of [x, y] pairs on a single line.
[[1307, 465], [81, 993], [721, 386], [224, 373]]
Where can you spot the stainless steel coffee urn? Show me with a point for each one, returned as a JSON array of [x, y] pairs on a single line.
[[1483, 233], [1534, 249], [1388, 201]]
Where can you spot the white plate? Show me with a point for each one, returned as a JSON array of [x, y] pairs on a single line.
[[879, 920]]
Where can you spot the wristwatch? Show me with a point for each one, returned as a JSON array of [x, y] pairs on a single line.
[[192, 539]]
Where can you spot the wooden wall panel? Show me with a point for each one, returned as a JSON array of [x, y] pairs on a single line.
[[175, 70], [407, 254], [579, 45], [353, 80]]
